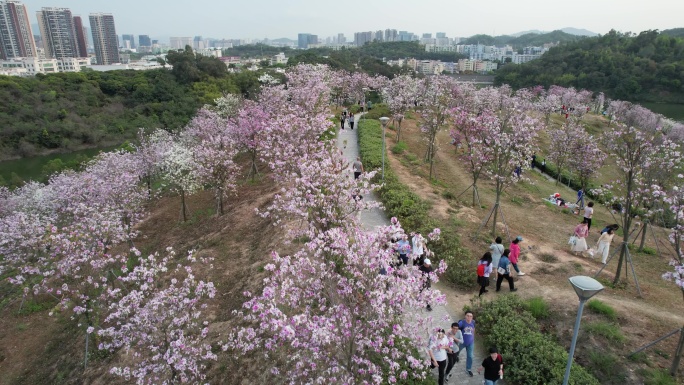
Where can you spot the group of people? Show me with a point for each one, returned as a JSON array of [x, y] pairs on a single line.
[[498, 262], [444, 349], [347, 116], [578, 239]]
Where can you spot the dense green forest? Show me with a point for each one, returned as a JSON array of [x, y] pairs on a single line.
[[65, 111], [378, 50], [648, 67], [674, 32], [526, 40]]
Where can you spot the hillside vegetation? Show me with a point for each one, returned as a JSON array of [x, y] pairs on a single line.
[[526, 40], [644, 67]]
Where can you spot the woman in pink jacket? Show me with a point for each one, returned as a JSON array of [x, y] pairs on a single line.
[[515, 253]]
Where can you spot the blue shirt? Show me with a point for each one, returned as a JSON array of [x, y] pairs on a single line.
[[580, 193], [468, 330], [503, 263]]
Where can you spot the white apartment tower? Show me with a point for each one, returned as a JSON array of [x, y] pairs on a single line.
[[104, 38], [16, 36]]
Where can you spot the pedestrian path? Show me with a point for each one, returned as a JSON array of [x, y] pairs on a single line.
[[347, 141]]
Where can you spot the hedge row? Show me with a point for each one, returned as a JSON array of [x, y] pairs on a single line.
[[411, 210], [530, 357]]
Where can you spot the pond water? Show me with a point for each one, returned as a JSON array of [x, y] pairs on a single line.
[[32, 168]]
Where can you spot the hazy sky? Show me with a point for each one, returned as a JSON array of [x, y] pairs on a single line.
[[286, 18]]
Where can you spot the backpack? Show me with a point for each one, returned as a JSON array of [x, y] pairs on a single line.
[[481, 270]]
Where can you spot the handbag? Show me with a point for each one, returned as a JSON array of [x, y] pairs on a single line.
[[572, 240], [501, 270]]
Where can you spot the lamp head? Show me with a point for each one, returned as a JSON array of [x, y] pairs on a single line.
[[585, 287], [384, 120]]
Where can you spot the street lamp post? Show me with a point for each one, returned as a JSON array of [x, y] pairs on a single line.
[[384, 121], [585, 287]]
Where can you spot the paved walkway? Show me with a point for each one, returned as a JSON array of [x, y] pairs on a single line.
[[378, 217]]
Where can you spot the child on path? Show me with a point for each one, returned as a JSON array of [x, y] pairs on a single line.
[[515, 254], [484, 268], [351, 120], [588, 213], [505, 272]]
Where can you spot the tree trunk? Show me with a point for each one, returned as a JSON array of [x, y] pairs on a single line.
[[627, 223], [399, 128], [183, 207], [474, 194], [678, 354], [496, 209], [643, 236], [253, 171], [219, 201]]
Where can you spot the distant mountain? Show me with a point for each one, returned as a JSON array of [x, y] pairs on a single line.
[[284, 40], [521, 41], [578, 31], [568, 30]]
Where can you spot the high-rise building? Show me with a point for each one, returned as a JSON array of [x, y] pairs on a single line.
[[105, 40], [378, 36], [180, 42], [128, 41], [303, 40], [81, 41], [57, 29], [341, 39], [16, 36], [391, 35], [144, 41], [361, 38]]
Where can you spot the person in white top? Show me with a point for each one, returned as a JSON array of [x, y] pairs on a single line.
[[418, 247], [588, 213], [497, 250], [439, 343], [604, 244]]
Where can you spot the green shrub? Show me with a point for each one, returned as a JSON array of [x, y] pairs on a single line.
[[609, 331], [657, 377], [538, 307], [606, 367], [378, 111], [399, 148], [530, 356], [599, 307], [448, 195], [548, 258]]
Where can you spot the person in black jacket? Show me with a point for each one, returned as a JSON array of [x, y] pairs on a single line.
[[493, 367]]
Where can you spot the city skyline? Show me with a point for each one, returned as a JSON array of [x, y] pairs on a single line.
[[270, 19]]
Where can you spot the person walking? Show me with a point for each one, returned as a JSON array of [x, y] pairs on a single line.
[[581, 232], [580, 199], [351, 120], [418, 247], [497, 249], [588, 213], [467, 327], [403, 247], [437, 349], [342, 119], [484, 268], [358, 168], [505, 272], [455, 339], [604, 244], [493, 367], [426, 269], [515, 254]]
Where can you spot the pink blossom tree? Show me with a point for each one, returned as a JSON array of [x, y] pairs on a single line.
[[179, 171], [438, 97], [586, 158], [159, 324], [212, 141], [337, 311], [401, 94], [563, 144], [249, 129], [637, 152]]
